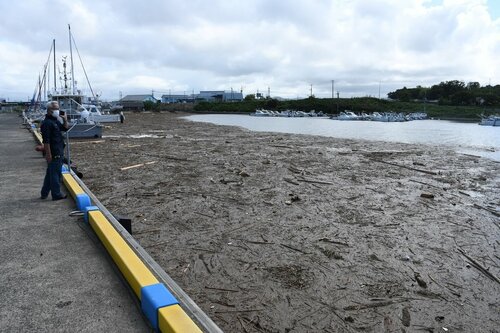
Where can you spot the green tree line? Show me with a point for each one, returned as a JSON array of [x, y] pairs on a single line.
[[360, 104], [455, 92]]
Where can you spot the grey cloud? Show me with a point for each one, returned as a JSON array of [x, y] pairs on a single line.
[[255, 44]]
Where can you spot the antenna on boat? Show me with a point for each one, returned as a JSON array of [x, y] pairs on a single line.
[[65, 76], [55, 80], [71, 59]]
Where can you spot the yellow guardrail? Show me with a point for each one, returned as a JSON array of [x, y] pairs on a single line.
[[160, 307]]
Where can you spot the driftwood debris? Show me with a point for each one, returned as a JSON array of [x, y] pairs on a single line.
[[426, 184], [405, 316], [479, 267], [332, 241], [87, 142], [487, 209], [282, 146], [291, 181], [313, 181], [175, 158], [293, 248], [137, 165], [419, 280], [296, 170], [406, 167], [223, 289]]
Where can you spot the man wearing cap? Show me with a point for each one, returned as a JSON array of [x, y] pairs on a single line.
[[53, 142]]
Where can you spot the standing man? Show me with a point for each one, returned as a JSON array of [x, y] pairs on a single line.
[[53, 143]]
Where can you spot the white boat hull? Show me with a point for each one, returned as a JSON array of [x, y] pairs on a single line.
[[491, 121]]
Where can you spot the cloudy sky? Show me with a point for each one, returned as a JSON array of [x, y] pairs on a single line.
[[178, 46]]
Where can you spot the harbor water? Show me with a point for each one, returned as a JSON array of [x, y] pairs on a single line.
[[469, 138]]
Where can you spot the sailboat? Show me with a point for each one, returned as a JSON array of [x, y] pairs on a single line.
[[83, 112]]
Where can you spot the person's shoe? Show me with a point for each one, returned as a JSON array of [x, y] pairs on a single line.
[[43, 197], [60, 198]]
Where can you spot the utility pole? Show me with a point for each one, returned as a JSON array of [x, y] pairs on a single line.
[[425, 101], [333, 88], [379, 83], [268, 92], [311, 95], [338, 94]]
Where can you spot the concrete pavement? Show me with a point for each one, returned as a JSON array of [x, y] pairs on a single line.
[[55, 276]]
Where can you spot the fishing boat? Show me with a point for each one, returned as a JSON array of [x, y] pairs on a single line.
[[261, 113], [84, 116], [490, 121], [70, 101], [348, 115]]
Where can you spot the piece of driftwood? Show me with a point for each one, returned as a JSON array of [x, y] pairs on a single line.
[[291, 181], [282, 146], [324, 239], [479, 267], [405, 316], [293, 248], [487, 209], [223, 289], [137, 165], [426, 184], [313, 181], [175, 158], [406, 167], [87, 142]]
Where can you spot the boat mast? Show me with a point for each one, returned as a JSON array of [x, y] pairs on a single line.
[[55, 80], [45, 79], [71, 59]]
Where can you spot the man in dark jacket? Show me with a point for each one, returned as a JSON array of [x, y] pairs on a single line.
[[52, 127]]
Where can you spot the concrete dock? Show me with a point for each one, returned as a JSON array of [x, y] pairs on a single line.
[[55, 276]]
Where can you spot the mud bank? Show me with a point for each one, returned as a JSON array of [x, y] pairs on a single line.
[[290, 233]]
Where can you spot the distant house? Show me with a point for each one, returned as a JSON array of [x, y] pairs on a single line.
[[136, 101], [220, 95], [177, 98]]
